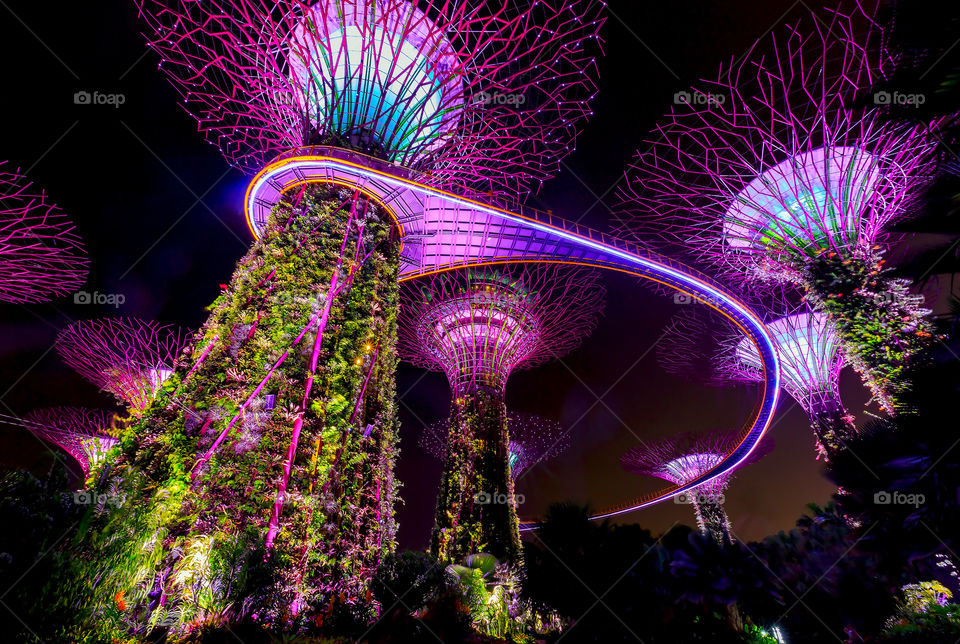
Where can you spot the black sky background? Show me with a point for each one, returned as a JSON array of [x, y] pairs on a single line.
[[161, 213]]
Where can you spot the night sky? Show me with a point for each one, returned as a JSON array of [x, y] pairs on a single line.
[[161, 213]]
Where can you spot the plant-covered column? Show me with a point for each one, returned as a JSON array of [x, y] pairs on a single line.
[[883, 326], [259, 483], [712, 518], [476, 509]]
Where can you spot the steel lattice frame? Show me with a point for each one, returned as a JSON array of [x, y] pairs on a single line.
[[80, 432], [127, 357], [41, 256], [488, 95], [775, 161], [533, 439], [477, 326]]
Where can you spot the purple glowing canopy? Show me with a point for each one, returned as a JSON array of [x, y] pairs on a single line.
[[783, 158], [468, 92], [477, 326], [82, 433], [41, 256]]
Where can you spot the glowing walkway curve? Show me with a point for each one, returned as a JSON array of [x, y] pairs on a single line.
[[441, 231]]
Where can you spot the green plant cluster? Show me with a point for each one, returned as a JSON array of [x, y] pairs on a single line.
[[188, 545], [883, 327]]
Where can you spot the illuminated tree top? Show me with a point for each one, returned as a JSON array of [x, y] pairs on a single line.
[[41, 256], [810, 354], [477, 326], [128, 357], [80, 432], [682, 458], [781, 157], [532, 439], [484, 94]]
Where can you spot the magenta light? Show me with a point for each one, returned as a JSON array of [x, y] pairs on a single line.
[[82, 433], [126, 357], [41, 256], [465, 92]]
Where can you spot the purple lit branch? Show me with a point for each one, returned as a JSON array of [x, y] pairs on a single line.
[[127, 357], [775, 161], [532, 439], [478, 326], [41, 256], [82, 433], [484, 94]]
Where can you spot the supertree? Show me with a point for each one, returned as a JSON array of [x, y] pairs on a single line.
[[776, 172], [465, 92], [41, 256], [682, 458], [276, 433], [702, 346], [81, 433], [478, 327], [127, 357], [533, 439]]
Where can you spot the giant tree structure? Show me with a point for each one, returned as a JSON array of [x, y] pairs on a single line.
[[275, 436], [41, 256], [684, 457], [777, 172], [81, 433], [811, 359], [478, 327], [533, 439], [127, 357], [702, 346]]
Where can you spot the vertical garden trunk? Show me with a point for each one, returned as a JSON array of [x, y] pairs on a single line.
[[832, 426], [712, 519], [262, 476], [476, 511]]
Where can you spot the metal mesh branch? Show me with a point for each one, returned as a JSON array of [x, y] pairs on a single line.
[[484, 94], [477, 326], [41, 256], [533, 439], [80, 432], [127, 357]]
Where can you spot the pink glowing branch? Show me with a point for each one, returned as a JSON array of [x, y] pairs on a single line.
[[41, 256], [779, 158], [469, 92]]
